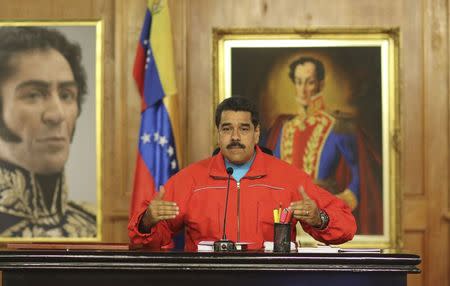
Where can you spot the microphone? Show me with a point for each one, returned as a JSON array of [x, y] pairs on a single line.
[[224, 244]]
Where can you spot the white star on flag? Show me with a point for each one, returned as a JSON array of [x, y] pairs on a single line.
[[170, 151], [145, 138], [163, 141], [173, 164], [155, 136]]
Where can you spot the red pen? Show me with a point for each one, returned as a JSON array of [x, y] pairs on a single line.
[[289, 216]]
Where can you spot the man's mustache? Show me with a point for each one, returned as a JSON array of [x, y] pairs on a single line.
[[235, 144]]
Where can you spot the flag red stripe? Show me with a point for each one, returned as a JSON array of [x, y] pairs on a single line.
[[144, 185]]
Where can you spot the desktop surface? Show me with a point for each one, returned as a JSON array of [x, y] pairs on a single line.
[[120, 267]]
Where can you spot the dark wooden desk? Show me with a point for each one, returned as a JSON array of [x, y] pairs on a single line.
[[136, 268]]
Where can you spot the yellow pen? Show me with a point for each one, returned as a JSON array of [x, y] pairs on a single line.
[[276, 216]]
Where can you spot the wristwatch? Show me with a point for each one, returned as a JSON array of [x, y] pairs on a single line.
[[324, 218]]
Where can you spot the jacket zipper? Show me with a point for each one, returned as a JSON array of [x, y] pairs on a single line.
[[238, 201], [238, 211], [239, 204]]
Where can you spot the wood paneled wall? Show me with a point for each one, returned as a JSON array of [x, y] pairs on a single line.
[[424, 94]]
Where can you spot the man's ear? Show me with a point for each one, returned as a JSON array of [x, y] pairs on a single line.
[[257, 134]]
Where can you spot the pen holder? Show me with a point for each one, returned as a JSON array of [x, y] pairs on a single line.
[[281, 237]]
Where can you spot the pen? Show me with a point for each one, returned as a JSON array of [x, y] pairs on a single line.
[[284, 216], [276, 216], [289, 216]]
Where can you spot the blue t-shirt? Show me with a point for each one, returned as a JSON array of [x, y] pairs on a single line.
[[239, 171]]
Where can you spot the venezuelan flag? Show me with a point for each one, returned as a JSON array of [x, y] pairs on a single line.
[[155, 77]]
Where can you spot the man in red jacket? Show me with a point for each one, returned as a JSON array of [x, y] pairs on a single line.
[[195, 196]]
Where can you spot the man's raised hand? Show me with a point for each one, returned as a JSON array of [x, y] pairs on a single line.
[[306, 209], [158, 209]]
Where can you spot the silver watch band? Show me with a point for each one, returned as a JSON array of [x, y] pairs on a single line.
[[324, 218]]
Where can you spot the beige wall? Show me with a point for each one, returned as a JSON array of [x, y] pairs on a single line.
[[424, 89]]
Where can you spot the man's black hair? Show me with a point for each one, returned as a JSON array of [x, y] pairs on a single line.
[[320, 70], [17, 40], [237, 103]]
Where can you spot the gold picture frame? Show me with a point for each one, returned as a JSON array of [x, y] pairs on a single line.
[[360, 87], [63, 203]]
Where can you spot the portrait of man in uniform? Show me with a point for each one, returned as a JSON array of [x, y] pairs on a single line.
[[43, 88], [329, 144], [323, 100]]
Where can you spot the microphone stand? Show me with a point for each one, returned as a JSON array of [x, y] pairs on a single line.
[[224, 244]]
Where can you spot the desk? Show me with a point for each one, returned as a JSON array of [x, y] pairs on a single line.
[[136, 268]]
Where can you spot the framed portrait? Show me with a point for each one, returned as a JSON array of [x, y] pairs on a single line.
[[328, 104], [51, 130]]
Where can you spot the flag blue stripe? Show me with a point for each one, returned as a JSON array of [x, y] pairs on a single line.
[[153, 90], [152, 84], [156, 144]]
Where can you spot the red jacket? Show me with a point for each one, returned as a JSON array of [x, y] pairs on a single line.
[[200, 190]]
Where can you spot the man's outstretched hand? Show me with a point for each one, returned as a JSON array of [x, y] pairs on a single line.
[[158, 209], [306, 209]]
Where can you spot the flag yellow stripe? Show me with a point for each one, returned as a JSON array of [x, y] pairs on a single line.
[[161, 43], [162, 48]]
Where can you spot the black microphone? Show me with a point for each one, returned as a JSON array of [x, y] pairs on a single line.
[[224, 244]]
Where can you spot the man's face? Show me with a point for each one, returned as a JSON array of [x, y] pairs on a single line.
[[237, 136], [39, 106], [306, 83]]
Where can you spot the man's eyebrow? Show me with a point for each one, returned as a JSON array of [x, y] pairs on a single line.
[[225, 124], [38, 83], [69, 83], [46, 84]]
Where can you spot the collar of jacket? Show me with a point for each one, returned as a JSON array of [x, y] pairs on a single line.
[[258, 169], [21, 194]]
